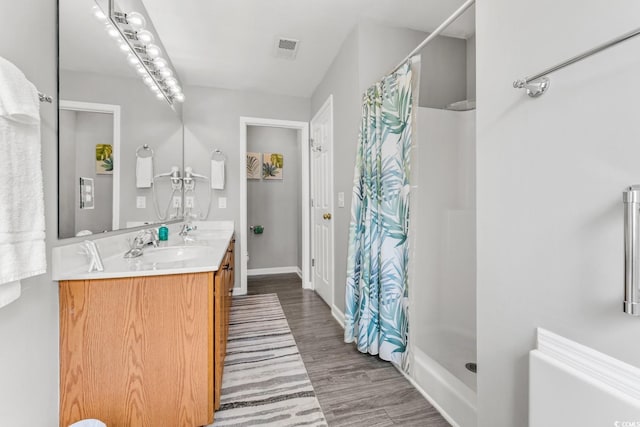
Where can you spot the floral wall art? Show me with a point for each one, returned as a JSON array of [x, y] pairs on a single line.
[[253, 166], [104, 159], [272, 165]]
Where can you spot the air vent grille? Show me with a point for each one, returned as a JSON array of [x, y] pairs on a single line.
[[287, 44], [286, 47]]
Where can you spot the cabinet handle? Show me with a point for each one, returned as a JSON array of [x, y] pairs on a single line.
[[230, 250], [226, 266]]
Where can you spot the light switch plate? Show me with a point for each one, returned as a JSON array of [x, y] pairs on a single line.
[[341, 199], [141, 202], [86, 193], [222, 203]]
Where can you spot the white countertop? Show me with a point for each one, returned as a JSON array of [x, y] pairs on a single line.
[[210, 242]]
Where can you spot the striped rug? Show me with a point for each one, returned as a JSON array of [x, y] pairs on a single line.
[[265, 382]]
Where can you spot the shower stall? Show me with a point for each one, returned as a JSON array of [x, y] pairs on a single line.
[[442, 281]]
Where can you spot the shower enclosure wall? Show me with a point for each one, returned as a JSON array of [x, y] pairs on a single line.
[[442, 283]]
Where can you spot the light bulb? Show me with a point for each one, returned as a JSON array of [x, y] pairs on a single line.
[[171, 82], [155, 88], [148, 81], [124, 46], [160, 63], [98, 13], [160, 95], [175, 89], [166, 72], [133, 60], [153, 51], [111, 30], [141, 70], [145, 36], [136, 20], [179, 97]]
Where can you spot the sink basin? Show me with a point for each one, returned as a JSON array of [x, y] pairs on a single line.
[[173, 253]]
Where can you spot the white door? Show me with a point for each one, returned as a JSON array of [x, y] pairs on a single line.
[[322, 202]]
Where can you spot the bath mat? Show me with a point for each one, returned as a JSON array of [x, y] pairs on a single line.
[[265, 382]]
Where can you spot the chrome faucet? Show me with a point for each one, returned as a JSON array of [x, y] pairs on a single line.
[[144, 238], [186, 228]]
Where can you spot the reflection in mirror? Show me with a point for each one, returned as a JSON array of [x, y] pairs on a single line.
[[107, 115]]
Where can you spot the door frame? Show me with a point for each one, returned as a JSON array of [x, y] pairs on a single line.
[[328, 104], [114, 110], [303, 127]]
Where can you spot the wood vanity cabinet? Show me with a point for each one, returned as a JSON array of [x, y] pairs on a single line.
[[144, 351]]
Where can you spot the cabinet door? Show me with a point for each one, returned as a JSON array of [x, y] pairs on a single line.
[[135, 352]]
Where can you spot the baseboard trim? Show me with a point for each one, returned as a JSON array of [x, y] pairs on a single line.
[[338, 315], [299, 272], [272, 270]]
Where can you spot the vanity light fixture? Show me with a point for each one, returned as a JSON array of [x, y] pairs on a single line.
[[137, 42]]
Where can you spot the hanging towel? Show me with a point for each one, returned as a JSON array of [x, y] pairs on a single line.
[[144, 172], [217, 174], [22, 233]]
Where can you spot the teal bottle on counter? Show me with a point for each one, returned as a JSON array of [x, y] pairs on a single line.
[[163, 233]]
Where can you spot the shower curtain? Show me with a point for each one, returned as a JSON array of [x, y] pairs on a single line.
[[376, 315]]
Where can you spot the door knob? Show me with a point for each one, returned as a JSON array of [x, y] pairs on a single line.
[[326, 216]]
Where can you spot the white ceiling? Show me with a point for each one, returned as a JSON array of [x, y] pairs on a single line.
[[230, 43]]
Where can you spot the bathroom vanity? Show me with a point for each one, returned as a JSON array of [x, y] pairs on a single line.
[[142, 343]]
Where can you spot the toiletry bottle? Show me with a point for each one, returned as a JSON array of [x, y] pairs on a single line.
[[163, 233]]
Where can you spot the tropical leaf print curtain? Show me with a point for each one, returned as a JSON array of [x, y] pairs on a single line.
[[376, 292]]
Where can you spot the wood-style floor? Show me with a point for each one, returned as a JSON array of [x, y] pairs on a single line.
[[354, 389]]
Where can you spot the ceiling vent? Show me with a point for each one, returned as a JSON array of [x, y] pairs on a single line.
[[287, 48]]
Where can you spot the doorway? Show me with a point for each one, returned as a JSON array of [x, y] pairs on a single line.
[[244, 230], [82, 125]]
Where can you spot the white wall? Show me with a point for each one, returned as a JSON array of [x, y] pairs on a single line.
[[550, 175], [29, 326], [275, 204], [212, 120]]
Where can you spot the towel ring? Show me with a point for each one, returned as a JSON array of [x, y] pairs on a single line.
[[218, 155], [144, 147]]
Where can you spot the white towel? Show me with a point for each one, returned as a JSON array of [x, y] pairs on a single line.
[[144, 172], [217, 174], [22, 232]]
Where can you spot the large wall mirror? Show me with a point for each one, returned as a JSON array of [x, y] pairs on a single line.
[[120, 120]]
